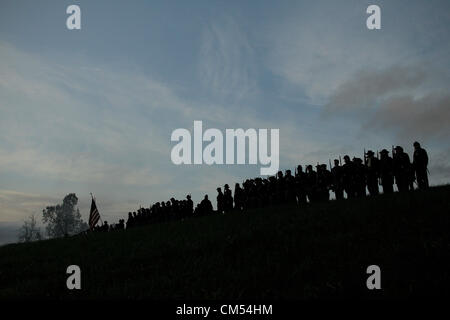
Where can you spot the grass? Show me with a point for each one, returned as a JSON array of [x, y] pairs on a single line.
[[321, 251]]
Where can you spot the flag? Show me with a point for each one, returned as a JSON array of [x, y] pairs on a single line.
[[94, 216]]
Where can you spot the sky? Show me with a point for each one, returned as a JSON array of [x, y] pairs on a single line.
[[92, 110]]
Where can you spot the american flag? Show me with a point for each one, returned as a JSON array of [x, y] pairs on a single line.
[[94, 216]]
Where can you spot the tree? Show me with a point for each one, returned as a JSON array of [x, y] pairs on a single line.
[[64, 219], [29, 230]]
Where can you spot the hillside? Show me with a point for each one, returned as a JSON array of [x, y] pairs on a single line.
[[283, 253]]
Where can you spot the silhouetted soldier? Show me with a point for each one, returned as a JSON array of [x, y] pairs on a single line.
[[386, 172], [347, 177], [402, 169], [238, 197], [359, 176], [174, 209], [130, 221], [420, 164], [337, 185], [206, 206], [280, 188], [228, 199], [163, 211], [323, 182], [189, 205], [169, 212], [373, 169], [220, 201], [272, 190], [289, 190], [300, 185], [311, 184], [262, 192]]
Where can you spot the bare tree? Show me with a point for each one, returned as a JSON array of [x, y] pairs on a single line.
[[29, 230]]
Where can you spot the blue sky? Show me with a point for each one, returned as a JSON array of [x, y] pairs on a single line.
[[92, 110]]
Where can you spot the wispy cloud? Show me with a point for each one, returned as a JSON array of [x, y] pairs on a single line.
[[15, 205], [226, 62]]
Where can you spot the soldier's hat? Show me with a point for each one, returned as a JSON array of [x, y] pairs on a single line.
[[384, 151], [416, 144], [226, 186], [218, 189], [398, 148], [370, 153], [188, 196]]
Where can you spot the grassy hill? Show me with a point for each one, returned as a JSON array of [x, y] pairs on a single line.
[[283, 252]]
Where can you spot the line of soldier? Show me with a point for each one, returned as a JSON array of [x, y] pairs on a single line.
[[352, 178]]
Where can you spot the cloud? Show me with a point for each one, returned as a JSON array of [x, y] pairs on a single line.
[[317, 49], [226, 61], [81, 127], [77, 167], [15, 205]]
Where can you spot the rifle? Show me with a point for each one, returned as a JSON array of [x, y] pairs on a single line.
[[340, 160], [365, 158], [393, 153], [329, 162]]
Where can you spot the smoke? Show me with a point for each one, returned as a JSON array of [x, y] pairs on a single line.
[[406, 101], [426, 118], [440, 168], [366, 87]]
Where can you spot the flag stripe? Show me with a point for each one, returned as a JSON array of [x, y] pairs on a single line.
[[94, 216]]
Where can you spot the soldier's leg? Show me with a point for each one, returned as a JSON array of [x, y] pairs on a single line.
[[374, 188], [349, 193], [422, 179], [339, 193], [302, 198], [386, 188]]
